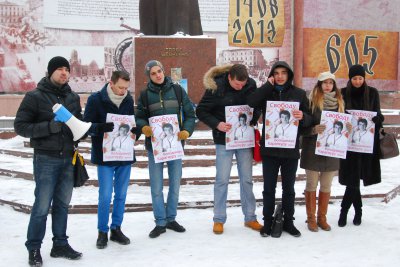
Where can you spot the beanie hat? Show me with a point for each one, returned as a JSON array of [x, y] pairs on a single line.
[[356, 70], [325, 75], [55, 63], [150, 64]]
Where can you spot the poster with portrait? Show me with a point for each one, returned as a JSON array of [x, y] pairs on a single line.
[[333, 141], [280, 125], [241, 134], [165, 142], [118, 145], [362, 137]]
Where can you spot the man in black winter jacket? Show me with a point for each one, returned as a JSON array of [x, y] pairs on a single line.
[[229, 85], [279, 88], [53, 146]]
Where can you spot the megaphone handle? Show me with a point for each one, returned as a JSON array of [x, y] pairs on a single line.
[[62, 114]]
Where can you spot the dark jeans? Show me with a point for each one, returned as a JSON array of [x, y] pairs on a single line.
[[54, 184], [288, 167]]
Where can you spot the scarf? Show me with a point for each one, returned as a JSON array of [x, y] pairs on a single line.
[[330, 101], [116, 99]]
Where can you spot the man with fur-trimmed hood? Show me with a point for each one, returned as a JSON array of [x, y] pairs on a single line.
[[228, 85]]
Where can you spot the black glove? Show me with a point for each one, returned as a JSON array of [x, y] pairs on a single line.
[[376, 119], [134, 130], [105, 127], [55, 126]]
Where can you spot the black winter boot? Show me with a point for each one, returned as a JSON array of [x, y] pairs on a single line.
[[35, 259], [157, 231], [346, 204], [119, 237], [266, 229], [65, 252], [343, 217], [289, 227], [357, 203], [175, 226], [102, 240], [357, 217]]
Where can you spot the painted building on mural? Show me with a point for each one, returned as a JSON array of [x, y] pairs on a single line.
[[11, 13]]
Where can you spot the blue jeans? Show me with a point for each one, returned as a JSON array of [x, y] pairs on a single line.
[[54, 183], [288, 167], [117, 178], [244, 159], [164, 213]]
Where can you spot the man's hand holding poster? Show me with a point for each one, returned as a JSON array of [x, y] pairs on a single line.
[[362, 138], [333, 141], [118, 145], [241, 134], [280, 124], [166, 145]]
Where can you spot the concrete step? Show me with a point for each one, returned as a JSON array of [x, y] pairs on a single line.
[[146, 182], [138, 207]]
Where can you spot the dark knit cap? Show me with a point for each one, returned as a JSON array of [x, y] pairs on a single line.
[[55, 63], [150, 64], [356, 70]]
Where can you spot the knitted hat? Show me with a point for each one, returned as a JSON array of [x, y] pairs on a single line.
[[55, 63], [150, 64], [325, 75], [356, 70]]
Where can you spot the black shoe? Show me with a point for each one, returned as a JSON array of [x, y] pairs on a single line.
[[102, 240], [357, 217], [174, 225], [343, 218], [65, 252], [119, 237], [289, 227], [35, 259], [157, 231], [265, 232]]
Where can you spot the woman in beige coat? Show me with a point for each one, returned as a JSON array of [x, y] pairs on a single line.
[[324, 96]]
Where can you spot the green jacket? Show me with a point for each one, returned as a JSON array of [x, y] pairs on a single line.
[[162, 100]]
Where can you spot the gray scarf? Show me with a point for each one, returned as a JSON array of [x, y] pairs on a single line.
[[116, 99], [330, 101]]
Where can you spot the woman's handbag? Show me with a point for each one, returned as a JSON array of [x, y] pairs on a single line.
[[80, 173], [257, 149], [388, 145]]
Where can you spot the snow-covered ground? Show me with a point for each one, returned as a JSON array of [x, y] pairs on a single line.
[[374, 243]]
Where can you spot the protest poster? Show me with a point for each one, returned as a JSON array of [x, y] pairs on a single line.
[[362, 138], [333, 141], [280, 125], [166, 146], [241, 134], [118, 145]]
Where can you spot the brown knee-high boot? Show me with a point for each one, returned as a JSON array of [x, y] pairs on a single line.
[[311, 207], [323, 201]]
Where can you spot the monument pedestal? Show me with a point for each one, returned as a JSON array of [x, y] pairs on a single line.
[[189, 56]]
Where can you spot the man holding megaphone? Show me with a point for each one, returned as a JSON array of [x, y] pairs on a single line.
[[53, 144]]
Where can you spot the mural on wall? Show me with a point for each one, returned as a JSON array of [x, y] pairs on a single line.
[[358, 32], [256, 23], [337, 50], [96, 37], [332, 40], [32, 31]]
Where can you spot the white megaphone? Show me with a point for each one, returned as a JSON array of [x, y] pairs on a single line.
[[77, 127]]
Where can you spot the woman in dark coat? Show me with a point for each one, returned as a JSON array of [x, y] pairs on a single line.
[[324, 96], [359, 166]]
